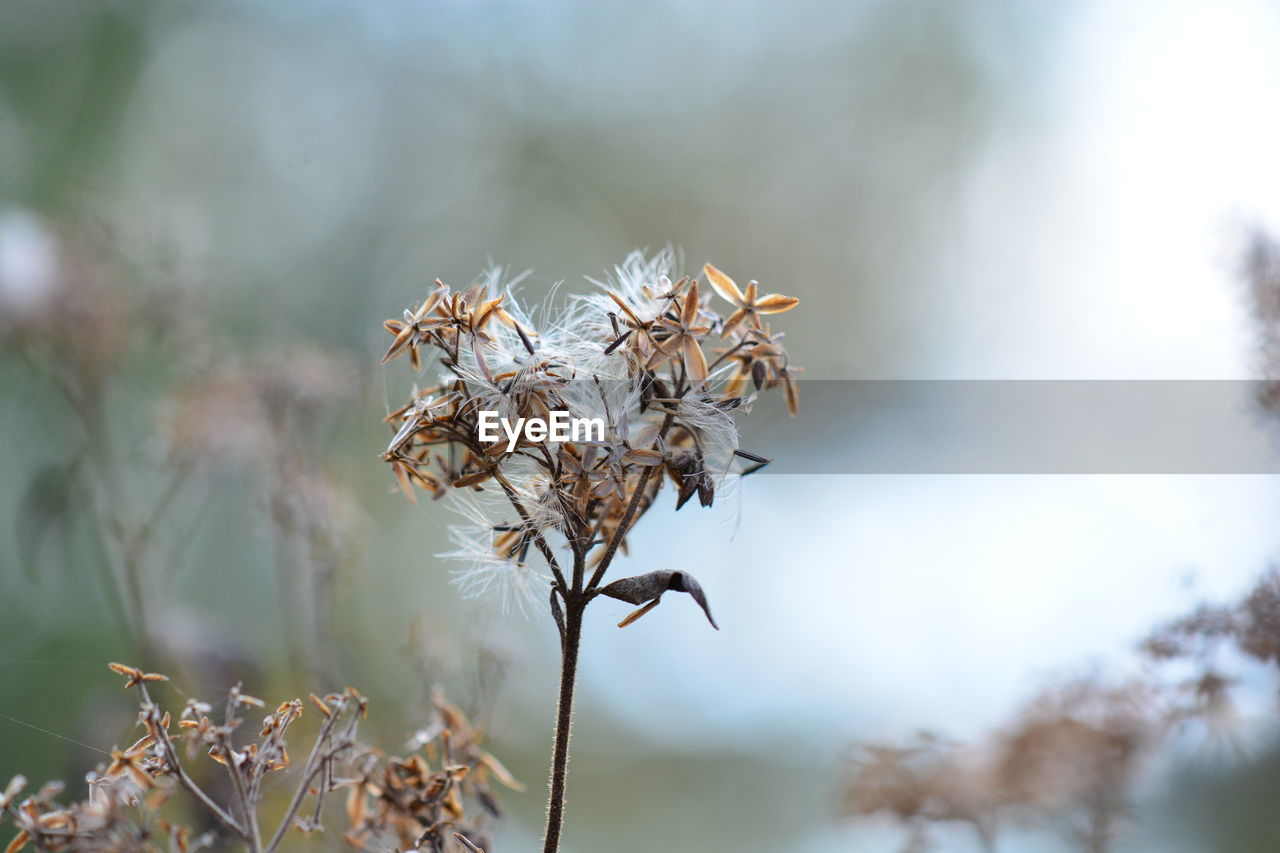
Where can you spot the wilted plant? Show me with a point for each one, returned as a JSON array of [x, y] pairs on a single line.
[[265, 413], [76, 316], [136, 481], [1066, 763], [651, 361], [388, 802]]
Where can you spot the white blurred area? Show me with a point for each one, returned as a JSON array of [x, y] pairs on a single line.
[[921, 602], [1102, 241]]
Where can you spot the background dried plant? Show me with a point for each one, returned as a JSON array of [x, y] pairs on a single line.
[[389, 802], [1071, 762], [137, 474]]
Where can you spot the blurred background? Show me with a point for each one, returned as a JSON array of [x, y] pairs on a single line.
[[207, 210]]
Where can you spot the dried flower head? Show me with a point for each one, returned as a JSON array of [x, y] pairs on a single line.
[[650, 358]]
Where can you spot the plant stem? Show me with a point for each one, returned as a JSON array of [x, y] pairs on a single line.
[[574, 606]]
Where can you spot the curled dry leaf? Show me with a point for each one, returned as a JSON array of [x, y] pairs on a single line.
[[648, 589]]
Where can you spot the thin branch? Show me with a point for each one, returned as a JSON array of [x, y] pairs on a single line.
[[538, 538], [175, 766], [246, 807], [629, 515], [301, 793]]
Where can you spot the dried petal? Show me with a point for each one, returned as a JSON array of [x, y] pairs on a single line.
[[723, 285], [775, 303]]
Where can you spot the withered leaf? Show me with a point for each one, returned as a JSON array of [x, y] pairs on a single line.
[[643, 589]]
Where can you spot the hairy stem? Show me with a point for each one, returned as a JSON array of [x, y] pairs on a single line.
[[574, 607]]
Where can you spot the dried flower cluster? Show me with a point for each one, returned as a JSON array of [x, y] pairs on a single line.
[[1250, 626], [1261, 269], [1065, 763], [1070, 760], [648, 355], [400, 803]]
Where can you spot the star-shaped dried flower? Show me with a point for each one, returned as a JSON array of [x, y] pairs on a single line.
[[135, 676], [128, 763], [750, 304], [408, 333], [685, 332]]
